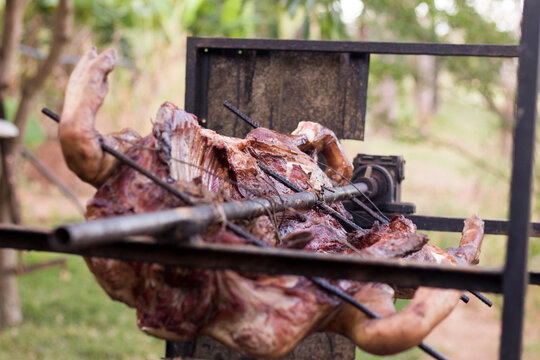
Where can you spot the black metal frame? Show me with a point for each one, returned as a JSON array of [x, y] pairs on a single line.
[[510, 280], [515, 272], [198, 67], [271, 261]]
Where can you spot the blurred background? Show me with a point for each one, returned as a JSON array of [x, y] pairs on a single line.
[[451, 119]]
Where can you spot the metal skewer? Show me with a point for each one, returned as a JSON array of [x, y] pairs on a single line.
[[240, 114], [482, 298], [324, 284], [346, 221], [342, 219]]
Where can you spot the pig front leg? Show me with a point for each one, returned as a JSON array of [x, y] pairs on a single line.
[[81, 143]]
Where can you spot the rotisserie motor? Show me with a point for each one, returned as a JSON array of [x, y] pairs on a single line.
[[258, 315]]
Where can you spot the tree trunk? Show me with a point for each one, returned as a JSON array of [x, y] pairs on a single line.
[[426, 96], [32, 87], [386, 109], [11, 313], [10, 308], [11, 38]]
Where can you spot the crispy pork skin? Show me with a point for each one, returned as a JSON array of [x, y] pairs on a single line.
[[257, 315]]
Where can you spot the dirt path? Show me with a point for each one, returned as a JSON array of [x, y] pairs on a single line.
[[471, 332]]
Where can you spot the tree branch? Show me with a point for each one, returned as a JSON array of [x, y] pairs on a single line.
[[34, 85], [11, 38]]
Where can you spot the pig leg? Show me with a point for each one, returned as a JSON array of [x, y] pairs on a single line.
[[398, 332], [395, 332], [81, 143]]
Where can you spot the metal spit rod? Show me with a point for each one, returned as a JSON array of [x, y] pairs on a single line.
[[183, 222], [241, 232], [325, 207]]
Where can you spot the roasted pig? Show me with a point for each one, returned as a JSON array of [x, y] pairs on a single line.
[[257, 315]]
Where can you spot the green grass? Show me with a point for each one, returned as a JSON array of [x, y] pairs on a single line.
[[413, 354], [68, 316]]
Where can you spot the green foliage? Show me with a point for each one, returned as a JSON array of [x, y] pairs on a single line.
[[234, 18], [10, 107], [189, 12], [34, 133], [413, 20], [325, 14], [406, 20]]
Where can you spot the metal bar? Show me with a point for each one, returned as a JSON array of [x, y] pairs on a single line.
[[191, 75], [455, 224], [403, 48], [482, 297], [26, 238], [26, 269], [53, 179], [188, 221], [370, 211], [515, 271], [273, 261], [534, 277], [240, 114], [203, 79], [197, 77]]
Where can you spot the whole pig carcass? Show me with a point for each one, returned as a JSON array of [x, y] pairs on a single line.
[[258, 315]]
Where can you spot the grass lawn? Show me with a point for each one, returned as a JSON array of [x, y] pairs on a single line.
[[68, 316]]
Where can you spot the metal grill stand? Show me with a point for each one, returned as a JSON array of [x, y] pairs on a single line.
[[211, 58]]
